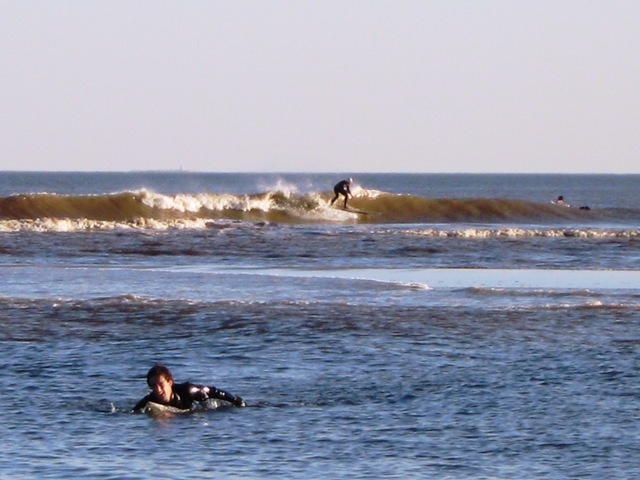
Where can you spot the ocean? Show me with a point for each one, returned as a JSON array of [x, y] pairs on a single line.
[[449, 326]]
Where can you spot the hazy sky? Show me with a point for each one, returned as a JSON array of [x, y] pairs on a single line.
[[312, 86]]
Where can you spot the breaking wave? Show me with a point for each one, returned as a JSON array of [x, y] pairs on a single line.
[[149, 210]]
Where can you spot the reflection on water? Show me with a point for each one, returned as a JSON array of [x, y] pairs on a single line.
[[477, 278]]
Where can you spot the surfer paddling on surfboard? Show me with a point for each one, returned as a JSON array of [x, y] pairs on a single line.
[[180, 395], [342, 188], [561, 201]]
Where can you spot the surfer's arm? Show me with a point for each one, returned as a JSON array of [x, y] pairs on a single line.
[[140, 405], [202, 393]]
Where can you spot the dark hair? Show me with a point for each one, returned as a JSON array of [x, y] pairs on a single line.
[[157, 370]]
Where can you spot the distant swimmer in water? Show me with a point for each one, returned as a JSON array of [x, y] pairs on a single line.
[[342, 188], [560, 201], [181, 395]]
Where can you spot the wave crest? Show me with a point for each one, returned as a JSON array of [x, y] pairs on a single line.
[[283, 205]]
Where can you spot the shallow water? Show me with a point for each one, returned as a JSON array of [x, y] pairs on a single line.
[[460, 351]]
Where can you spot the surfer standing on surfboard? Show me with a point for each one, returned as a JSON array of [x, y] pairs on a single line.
[[342, 188], [181, 395]]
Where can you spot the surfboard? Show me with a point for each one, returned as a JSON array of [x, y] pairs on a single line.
[[353, 210], [155, 409]]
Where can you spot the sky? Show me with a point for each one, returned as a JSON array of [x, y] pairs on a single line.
[[494, 86]]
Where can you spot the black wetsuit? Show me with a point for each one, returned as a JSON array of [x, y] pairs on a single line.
[[341, 188], [185, 394]]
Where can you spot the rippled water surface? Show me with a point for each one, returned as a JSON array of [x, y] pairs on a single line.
[[456, 350]]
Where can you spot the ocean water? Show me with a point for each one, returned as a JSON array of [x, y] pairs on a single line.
[[455, 327]]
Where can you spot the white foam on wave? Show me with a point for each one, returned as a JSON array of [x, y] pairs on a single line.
[[82, 225], [281, 186], [331, 214], [208, 201], [517, 232], [361, 192]]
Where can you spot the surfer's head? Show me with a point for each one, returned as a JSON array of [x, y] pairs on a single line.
[[160, 380]]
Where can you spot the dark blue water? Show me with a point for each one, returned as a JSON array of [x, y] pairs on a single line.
[[363, 351]]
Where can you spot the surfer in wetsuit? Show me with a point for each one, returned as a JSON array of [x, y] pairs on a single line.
[[181, 395], [561, 201], [342, 188]]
